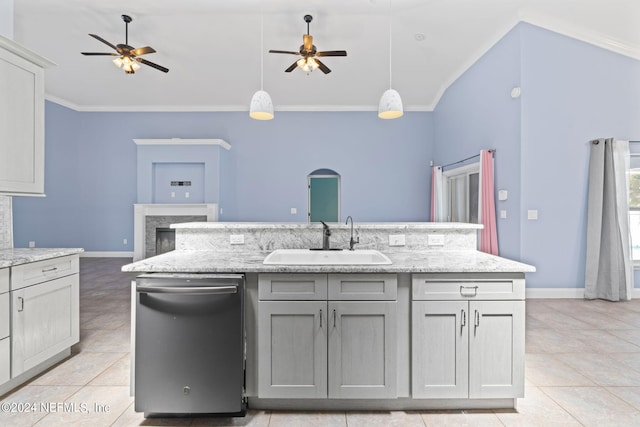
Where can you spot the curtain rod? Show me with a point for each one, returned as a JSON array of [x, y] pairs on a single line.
[[492, 150]]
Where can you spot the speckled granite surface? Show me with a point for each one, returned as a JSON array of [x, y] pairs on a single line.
[[16, 256], [200, 261], [206, 247]]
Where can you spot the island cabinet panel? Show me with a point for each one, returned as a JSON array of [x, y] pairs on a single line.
[[292, 287], [496, 348], [466, 348], [292, 349], [362, 349], [328, 348], [440, 349], [363, 287]]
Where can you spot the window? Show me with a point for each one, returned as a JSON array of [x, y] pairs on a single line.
[[461, 190], [634, 207]]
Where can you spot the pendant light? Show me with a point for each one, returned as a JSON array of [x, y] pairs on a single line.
[[390, 106], [261, 107]]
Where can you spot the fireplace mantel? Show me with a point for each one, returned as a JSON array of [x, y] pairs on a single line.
[[141, 211]]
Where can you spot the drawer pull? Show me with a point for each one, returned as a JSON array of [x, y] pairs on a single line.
[[468, 291], [463, 322], [20, 304], [334, 318], [476, 323], [49, 270]]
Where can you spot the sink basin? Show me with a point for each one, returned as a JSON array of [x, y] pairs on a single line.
[[309, 257]]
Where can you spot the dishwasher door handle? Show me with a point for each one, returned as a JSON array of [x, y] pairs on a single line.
[[188, 290]]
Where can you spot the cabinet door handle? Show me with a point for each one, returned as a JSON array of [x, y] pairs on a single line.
[[334, 318], [463, 322], [48, 270], [20, 304], [468, 291], [321, 318], [476, 322]]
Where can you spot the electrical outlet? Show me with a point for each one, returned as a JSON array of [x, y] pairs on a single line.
[[294, 211], [186, 195], [396, 240], [124, 241], [532, 214], [236, 239], [503, 213], [435, 239], [32, 244]]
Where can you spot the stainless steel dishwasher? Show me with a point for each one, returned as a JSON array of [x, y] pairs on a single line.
[[189, 344]]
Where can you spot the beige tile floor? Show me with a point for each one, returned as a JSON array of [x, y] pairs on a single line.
[[582, 368]]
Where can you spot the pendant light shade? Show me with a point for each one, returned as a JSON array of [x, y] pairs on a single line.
[[390, 105], [261, 106]]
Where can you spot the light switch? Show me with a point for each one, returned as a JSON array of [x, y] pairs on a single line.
[[532, 214], [173, 194], [294, 211], [236, 239], [503, 213], [435, 239], [396, 240], [186, 195], [503, 195]]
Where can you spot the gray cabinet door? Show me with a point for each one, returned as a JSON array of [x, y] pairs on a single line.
[[292, 349], [44, 322], [362, 349], [496, 349], [440, 349]]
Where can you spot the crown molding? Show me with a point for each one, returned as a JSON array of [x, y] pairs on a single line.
[[220, 108]]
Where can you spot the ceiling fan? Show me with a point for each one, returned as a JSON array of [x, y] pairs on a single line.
[[309, 53], [128, 56]]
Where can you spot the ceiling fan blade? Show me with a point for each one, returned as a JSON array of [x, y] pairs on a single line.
[[332, 53], [142, 51], [151, 64], [292, 67], [284, 51], [99, 53], [104, 41], [322, 67], [307, 42]]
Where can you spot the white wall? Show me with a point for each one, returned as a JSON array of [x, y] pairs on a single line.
[[6, 18]]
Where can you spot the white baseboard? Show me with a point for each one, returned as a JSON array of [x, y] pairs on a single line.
[[575, 293], [106, 255]]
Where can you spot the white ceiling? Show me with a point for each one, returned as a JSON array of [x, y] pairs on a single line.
[[212, 48]]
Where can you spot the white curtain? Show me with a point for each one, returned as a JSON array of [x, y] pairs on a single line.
[[437, 196], [609, 268]]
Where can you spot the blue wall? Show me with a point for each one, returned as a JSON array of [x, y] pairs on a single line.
[[90, 169], [572, 92], [477, 112]]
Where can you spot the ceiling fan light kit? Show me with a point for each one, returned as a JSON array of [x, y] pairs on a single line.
[[309, 53], [128, 56]]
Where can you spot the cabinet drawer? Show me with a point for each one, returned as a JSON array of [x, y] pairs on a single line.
[[370, 287], [41, 271], [4, 315], [426, 287], [4, 280], [5, 361], [312, 287]]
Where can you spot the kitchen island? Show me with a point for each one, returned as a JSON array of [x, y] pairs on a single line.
[[442, 326]]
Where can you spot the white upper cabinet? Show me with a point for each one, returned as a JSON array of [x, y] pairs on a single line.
[[21, 119]]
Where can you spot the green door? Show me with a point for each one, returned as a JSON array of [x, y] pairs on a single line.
[[324, 199]]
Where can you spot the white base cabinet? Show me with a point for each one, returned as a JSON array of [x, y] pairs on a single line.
[[467, 348], [320, 348], [40, 317]]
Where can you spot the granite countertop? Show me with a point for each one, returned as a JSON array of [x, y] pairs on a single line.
[[440, 261], [17, 256]]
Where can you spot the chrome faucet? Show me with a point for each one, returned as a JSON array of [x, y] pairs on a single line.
[[326, 233], [352, 241]]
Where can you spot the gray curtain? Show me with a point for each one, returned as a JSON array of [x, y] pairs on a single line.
[[609, 268]]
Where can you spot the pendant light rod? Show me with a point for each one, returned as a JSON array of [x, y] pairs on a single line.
[[261, 51], [390, 40]]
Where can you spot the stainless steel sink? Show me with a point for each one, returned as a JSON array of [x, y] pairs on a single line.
[[309, 257]]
